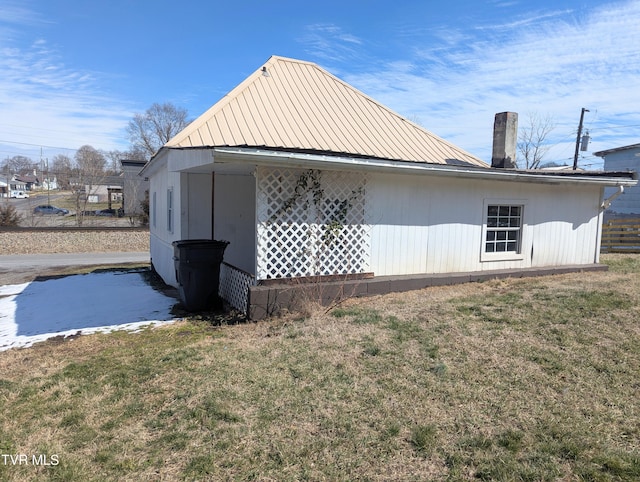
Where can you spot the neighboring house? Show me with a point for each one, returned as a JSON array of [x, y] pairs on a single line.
[[16, 185], [626, 158], [134, 186], [107, 189], [29, 181], [307, 176], [50, 184]]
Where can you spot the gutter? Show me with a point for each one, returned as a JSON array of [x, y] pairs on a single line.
[[318, 161], [607, 202]]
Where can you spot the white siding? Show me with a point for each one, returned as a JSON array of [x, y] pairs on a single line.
[[160, 236], [565, 225], [398, 213], [235, 219], [434, 225], [196, 205]]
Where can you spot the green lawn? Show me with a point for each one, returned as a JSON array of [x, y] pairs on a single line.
[[520, 379]]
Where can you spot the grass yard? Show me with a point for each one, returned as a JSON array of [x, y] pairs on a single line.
[[520, 379]]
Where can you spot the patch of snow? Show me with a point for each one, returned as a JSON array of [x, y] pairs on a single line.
[[79, 304]]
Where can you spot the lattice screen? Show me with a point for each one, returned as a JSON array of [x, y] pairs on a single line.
[[311, 223], [234, 286]]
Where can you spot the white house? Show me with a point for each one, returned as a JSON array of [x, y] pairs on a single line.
[[625, 158], [304, 175]]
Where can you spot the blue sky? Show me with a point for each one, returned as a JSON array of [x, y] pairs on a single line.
[[74, 72]]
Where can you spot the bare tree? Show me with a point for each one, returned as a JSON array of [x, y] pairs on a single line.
[[11, 166], [90, 173], [62, 168], [113, 161], [150, 131], [17, 165], [531, 140]]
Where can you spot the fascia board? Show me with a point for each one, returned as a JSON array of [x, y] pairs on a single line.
[[316, 161]]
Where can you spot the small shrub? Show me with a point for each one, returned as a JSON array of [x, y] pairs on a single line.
[[439, 369], [9, 216], [372, 350], [423, 438]]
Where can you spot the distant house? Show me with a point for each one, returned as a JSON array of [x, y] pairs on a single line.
[[135, 187], [626, 158], [104, 189], [50, 184], [307, 176], [27, 181], [15, 186]]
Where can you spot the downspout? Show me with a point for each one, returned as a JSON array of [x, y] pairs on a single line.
[[607, 202]]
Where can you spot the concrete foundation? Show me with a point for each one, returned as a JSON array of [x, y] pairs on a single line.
[[273, 299]]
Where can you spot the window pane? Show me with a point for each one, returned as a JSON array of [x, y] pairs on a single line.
[[503, 229]]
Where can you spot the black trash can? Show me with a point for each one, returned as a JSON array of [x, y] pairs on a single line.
[[197, 263]]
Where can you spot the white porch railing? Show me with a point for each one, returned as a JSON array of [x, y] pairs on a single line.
[[234, 286]]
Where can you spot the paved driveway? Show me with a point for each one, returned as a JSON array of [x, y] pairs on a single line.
[[21, 268], [46, 261]]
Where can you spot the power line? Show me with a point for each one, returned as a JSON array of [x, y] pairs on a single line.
[[39, 145]]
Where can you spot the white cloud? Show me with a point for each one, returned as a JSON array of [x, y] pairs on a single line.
[[551, 63], [329, 42], [45, 102]]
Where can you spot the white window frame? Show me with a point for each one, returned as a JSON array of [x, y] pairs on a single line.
[[170, 210], [503, 255]]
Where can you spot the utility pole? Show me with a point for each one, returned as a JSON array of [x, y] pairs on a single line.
[[48, 181], [575, 156]]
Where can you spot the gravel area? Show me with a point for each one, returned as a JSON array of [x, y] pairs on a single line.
[[30, 242]]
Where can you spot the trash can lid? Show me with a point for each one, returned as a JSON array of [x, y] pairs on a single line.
[[202, 242]]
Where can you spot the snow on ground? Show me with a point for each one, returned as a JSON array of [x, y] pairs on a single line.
[[87, 303]]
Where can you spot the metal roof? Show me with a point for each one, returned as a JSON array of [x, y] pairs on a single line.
[[296, 105]]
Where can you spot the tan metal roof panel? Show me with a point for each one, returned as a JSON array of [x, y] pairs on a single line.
[[298, 105]]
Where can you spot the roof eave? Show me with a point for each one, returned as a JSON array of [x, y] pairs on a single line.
[[304, 160], [616, 149]]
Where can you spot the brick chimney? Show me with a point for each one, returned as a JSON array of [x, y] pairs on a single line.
[[505, 138]]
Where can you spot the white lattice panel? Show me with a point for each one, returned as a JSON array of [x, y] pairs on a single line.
[[311, 223], [234, 286]]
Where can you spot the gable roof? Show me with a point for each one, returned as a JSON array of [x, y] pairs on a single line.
[[290, 104]]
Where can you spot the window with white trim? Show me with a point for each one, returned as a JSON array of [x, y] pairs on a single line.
[[170, 210], [503, 230]]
